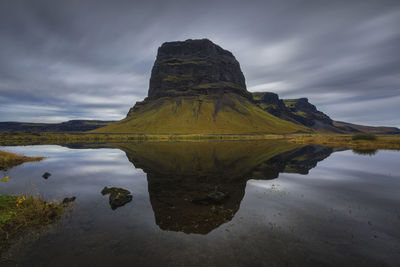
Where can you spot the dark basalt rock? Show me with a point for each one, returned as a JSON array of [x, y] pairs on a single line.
[[46, 175], [295, 110], [118, 196], [270, 99], [195, 67], [311, 114]]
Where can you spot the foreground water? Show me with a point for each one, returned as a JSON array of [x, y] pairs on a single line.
[[274, 206]]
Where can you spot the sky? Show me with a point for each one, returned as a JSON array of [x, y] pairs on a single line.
[[91, 59]]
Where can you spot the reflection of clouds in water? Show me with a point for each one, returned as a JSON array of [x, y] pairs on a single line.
[[315, 214], [79, 172], [348, 206], [379, 164], [114, 169], [54, 153], [34, 150], [346, 188]]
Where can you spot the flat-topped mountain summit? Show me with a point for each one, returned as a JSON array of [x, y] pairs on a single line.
[[196, 87], [195, 67]]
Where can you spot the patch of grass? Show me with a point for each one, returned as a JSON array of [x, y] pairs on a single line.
[[21, 213], [9, 160], [346, 141], [362, 136]]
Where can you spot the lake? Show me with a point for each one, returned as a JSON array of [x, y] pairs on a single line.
[[232, 203]]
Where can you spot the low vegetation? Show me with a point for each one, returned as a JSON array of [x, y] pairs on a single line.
[[368, 137], [347, 141], [9, 160], [331, 140], [202, 114], [23, 213]]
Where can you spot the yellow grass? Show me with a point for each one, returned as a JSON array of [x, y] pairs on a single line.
[[9, 160], [331, 140], [21, 213], [230, 114], [381, 142]]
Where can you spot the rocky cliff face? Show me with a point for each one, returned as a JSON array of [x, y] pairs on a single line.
[[302, 112], [195, 67], [295, 110], [308, 111], [299, 110]]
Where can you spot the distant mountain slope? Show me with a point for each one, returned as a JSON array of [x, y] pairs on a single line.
[[304, 113], [198, 87], [68, 126], [350, 127]]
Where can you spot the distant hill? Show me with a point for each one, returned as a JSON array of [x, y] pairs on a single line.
[[68, 126], [350, 127], [196, 87]]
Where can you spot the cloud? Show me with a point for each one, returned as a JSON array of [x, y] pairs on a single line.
[[92, 59]]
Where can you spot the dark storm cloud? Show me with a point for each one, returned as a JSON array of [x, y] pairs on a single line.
[[92, 59]]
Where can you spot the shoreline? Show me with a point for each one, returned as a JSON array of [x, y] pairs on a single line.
[[391, 142]]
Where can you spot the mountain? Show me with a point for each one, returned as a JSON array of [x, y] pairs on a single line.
[[302, 112], [68, 126], [198, 87]]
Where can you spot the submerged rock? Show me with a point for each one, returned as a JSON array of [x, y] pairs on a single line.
[[68, 200], [46, 175], [118, 196]]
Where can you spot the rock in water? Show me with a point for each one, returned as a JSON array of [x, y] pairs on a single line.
[[195, 67], [118, 196], [68, 200], [46, 175]]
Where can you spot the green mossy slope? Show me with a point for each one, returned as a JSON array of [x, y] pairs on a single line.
[[201, 114]]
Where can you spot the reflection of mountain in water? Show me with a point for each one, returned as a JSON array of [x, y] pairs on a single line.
[[180, 174]]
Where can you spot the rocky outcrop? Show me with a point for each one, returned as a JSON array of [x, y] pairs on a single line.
[[308, 111], [302, 112], [295, 110], [195, 67]]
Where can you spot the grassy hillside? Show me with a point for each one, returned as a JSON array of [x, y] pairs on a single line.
[[201, 114]]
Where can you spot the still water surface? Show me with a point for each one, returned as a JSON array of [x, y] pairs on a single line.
[[282, 205]]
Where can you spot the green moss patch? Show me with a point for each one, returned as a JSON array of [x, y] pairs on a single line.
[[21, 213]]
